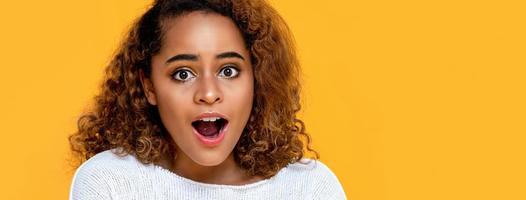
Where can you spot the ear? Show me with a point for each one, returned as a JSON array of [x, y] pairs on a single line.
[[148, 89]]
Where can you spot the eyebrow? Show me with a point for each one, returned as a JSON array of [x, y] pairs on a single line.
[[230, 54], [189, 57], [193, 57]]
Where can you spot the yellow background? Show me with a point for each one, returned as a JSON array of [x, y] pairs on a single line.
[[404, 99]]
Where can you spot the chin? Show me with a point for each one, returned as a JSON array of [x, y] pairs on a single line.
[[209, 161]]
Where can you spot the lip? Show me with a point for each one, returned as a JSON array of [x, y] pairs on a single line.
[[209, 114], [211, 142]]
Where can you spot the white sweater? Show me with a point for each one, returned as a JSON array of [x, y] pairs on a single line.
[[108, 176]]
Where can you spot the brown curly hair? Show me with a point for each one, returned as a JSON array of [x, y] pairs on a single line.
[[122, 117]]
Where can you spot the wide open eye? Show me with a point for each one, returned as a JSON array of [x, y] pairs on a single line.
[[229, 72], [183, 75]]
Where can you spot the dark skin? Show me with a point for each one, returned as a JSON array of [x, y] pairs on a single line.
[[203, 66]]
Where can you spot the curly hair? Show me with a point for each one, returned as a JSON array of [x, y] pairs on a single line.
[[122, 117]]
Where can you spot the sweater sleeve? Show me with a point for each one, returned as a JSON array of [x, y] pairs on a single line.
[[89, 183], [327, 186]]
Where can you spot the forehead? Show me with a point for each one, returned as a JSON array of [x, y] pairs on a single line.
[[201, 31]]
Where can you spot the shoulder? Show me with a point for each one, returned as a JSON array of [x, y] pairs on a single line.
[[95, 177], [323, 183], [307, 167], [105, 162]]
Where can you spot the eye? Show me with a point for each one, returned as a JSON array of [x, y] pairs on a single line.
[[183, 75], [229, 72]]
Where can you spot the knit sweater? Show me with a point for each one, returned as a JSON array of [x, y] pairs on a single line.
[[109, 176]]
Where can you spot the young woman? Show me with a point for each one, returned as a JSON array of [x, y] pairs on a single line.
[[200, 102]]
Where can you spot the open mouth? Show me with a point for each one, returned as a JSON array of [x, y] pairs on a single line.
[[209, 127]]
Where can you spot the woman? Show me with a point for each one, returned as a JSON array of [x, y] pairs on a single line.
[[200, 102]]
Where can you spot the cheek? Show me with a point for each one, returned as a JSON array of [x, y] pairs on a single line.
[[248, 96], [242, 97], [173, 107], [249, 91]]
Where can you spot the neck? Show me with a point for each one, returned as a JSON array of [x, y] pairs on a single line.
[[226, 173]]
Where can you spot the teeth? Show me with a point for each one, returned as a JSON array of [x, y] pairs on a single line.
[[210, 119]]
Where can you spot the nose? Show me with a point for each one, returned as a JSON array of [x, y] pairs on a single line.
[[208, 92]]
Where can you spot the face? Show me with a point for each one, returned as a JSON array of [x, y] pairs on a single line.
[[201, 74]]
